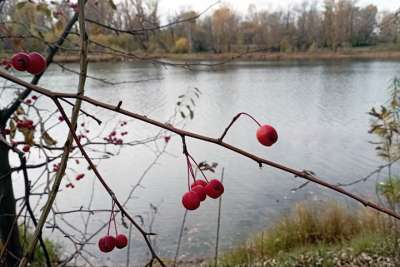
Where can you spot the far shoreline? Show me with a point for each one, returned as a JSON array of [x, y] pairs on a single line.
[[251, 56]]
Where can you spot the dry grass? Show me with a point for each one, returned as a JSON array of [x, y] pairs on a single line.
[[315, 227]]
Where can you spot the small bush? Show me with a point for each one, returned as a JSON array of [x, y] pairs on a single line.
[[181, 45], [39, 260]]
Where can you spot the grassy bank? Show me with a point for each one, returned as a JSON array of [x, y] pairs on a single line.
[[256, 56], [321, 235]]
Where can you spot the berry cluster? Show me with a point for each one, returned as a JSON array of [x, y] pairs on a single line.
[[108, 243], [34, 63], [113, 138], [199, 189]]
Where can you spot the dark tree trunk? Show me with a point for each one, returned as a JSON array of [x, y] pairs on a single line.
[[8, 224]]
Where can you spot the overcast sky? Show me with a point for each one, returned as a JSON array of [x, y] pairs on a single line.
[[170, 6]]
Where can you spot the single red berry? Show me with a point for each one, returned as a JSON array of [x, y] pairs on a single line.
[[60, 118], [79, 176], [121, 241], [200, 191], [34, 97], [25, 124], [191, 200], [7, 131], [198, 182], [37, 63], [28, 101], [20, 61], [26, 148], [56, 167], [29, 123], [214, 188], [113, 133], [167, 138], [267, 135], [107, 243]]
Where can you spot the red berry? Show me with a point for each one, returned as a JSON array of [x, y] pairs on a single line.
[[56, 167], [37, 63], [198, 182], [28, 101], [214, 188], [121, 241], [167, 138], [20, 61], [267, 135], [107, 243], [200, 191], [25, 124], [79, 176], [190, 200], [34, 97], [60, 118], [26, 148]]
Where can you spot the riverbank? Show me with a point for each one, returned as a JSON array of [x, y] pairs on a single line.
[[323, 235], [250, 56]]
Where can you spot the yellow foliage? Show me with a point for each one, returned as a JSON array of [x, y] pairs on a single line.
[[181, 45]]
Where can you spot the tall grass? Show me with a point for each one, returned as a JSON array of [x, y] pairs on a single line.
[[313, 226]]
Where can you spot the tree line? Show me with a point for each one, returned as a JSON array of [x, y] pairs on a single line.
[[135, 25]]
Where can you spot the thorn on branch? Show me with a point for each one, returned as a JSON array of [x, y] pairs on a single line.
[[184, 145], [119, 105]]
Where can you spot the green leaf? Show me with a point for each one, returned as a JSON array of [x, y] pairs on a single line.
[[112, 4], [48, 139], [43, 8], [376, 129], [21, 4]]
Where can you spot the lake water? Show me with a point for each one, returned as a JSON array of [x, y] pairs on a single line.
[[318, 108]]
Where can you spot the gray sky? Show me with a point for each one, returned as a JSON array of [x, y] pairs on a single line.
[[170, 6]]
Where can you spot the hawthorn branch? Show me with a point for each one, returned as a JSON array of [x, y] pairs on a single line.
[[261, 161], [234, 120]]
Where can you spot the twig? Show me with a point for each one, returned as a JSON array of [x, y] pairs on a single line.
[[180, 238], [218, 224]]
